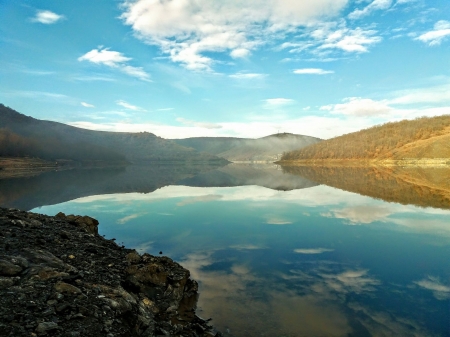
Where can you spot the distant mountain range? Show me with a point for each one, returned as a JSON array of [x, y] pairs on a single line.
[[409, 141], [266, 149], [24, 136]]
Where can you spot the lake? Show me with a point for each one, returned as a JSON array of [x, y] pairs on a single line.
[[294, 251]]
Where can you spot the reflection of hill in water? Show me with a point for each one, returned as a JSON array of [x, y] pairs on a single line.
[[52, 188], [248, 174], [425, 187], [56, 187]]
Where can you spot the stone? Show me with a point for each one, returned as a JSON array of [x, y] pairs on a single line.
[[44, 327], [133, 257], [6, 282], [66, 288], [9, 269]]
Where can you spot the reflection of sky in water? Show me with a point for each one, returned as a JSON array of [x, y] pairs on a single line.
[[314, 262]]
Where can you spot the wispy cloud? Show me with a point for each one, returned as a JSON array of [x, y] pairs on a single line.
[[272, 103], [356, 40], [313, 250], [115, 59], [87, 105], [203, 125], [38, 72], [248, 76], [357, 106], [373, 6], [434, 37], [128, 218], [47, 17], [312, 71], [274, 220], [440, 291], [91, 78], [129, 106]]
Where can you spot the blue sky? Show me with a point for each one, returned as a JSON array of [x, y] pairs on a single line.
[[183, 68]]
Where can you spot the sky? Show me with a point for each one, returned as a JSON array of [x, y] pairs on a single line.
[[186, 68]]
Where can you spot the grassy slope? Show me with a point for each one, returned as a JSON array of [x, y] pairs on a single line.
[[421, 138]]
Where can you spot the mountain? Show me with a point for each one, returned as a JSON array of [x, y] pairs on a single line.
[[420, 140], [267, 149], [21, 135]]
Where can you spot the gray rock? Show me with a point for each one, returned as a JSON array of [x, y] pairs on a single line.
[[9, 269], [46, 326], [6, 282]]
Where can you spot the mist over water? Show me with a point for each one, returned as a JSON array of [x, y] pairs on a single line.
[[277, 254]]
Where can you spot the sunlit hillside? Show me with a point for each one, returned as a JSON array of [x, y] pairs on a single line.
[[420, 138]]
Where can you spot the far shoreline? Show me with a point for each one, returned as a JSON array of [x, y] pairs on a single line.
[[409, 162]]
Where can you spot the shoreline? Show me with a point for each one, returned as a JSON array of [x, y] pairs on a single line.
[[59, 277], [406, 162]]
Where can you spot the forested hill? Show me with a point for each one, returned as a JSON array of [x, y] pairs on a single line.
[[268, 148], [422, 138], [22, 136]]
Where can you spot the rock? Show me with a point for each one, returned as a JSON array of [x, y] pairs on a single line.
[[66, 280], [6, 282], [133, 257], [44, 327], [66, 288], [9, 269]]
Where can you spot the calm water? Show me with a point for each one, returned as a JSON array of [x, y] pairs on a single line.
[[313, 260]]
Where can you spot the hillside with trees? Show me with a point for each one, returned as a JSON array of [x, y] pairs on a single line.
[[422, 138]]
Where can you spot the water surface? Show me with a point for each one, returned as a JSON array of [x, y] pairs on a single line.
[[291, 258]]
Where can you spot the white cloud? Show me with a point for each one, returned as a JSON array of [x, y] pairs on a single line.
[[195, 200], [136, 72], [440, 291], [128, 218], [240, 53], [129, 106], [47, 17], [278, 221], [312, 71], [373, 6], [313, 251], [349, 40], [107, 57], [362, 214], [114, 59], [277, 102], [436, 94], [323, 127], [354, 281], [187, 29], [436, 36], [87, 105], [357, 106], [203, 125], [247, 76]]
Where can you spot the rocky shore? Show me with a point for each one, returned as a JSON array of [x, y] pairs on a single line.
[[59, 277]]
